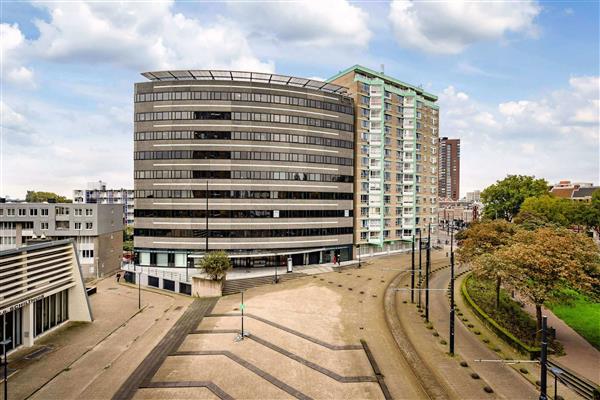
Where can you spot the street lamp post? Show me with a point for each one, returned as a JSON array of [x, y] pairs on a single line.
[[412, 272], [427, 266], [452, 293], [420, 259], [206, 218], [544, 360], [5, 343]]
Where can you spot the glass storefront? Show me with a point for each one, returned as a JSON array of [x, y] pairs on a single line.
[[11, 328], [51, 311]]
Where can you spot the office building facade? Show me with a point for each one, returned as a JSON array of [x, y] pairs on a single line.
[[396, 136], [259, 165], [449, 182], [96, 229], [42, 288], [97, 193]]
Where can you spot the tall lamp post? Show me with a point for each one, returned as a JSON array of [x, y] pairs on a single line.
[[427, 266], [420, 259], [412, 272], [5, 343], [452, 292], [206, 218], [544, 360]]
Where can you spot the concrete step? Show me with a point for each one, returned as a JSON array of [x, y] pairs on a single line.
[[237, 285]]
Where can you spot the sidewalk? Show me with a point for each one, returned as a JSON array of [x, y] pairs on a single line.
[[82, 356], [581, 356]]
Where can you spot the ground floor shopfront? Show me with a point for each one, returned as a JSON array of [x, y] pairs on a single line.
[[42, 289]]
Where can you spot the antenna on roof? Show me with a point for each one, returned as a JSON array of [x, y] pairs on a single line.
[[382, 68]]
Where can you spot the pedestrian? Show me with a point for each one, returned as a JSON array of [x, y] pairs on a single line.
[[339, 260], [334, 260], [118, 277]]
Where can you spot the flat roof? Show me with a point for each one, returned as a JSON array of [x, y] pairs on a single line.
[[36, 246], [244, 76], [368, 71]]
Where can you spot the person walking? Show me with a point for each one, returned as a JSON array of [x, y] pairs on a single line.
[[118, 277]]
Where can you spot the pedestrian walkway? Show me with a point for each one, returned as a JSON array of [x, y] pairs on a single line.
[[581, 357], [168, 344], [82, 358]]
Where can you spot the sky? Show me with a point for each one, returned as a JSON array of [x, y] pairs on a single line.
[[518, 82]]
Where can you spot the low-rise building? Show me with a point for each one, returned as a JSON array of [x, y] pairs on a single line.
[[460, 213], [97, 193], [41, 288], [96, 229]]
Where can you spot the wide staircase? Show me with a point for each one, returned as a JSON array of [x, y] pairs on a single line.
[[237, 285]]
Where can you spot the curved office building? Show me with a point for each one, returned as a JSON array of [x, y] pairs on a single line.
[[259, 165]]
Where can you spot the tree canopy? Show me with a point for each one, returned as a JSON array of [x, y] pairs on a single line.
[[40, 197], [216, 264], [504, 198]]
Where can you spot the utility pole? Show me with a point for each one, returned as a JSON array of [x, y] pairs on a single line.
[[420, 248], [452, 293], [206, 247], [544, 360], [242, 306], [412, 272], [427, 267]]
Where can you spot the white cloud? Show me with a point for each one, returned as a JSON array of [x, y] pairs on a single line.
[[448, 27], [12, 47], [142, 37], [305, 23], [555, 136]]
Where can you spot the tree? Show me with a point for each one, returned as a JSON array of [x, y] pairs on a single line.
[[478, 244], [128, 238], [504, 198], [540, 262], [546, 210], [216, 264], [40, 197]]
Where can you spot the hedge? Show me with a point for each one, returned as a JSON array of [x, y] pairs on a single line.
[[533, 352]]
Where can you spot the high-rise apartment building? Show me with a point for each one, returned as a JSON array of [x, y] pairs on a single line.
[[449, 182], [97, 193], [259, 165], [395, 167]]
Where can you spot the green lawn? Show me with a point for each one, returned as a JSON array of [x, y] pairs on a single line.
[[579, 312]]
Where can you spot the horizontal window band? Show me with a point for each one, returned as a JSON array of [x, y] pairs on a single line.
[[262, 146], [239, 214], [248, 204], [247, 195], [252, 136], [245, 126], [243, 184], [248, 87], [241, 233], [241, 165], [240, 106], [247, 223], [202, 243]]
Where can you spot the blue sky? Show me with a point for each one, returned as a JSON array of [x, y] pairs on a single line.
[[518, 82]]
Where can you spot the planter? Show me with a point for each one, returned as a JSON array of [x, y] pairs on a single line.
[[203, 287]]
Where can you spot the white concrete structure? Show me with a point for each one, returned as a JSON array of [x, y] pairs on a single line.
[[97, 193], [41, 288]]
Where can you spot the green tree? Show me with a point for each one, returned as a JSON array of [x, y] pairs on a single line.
[[540, 262], [128, 238], [216, 264], [479, 243], [39, 197], [504, 198], [546, 210]]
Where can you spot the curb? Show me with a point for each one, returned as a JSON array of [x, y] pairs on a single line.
[[426, 378]]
